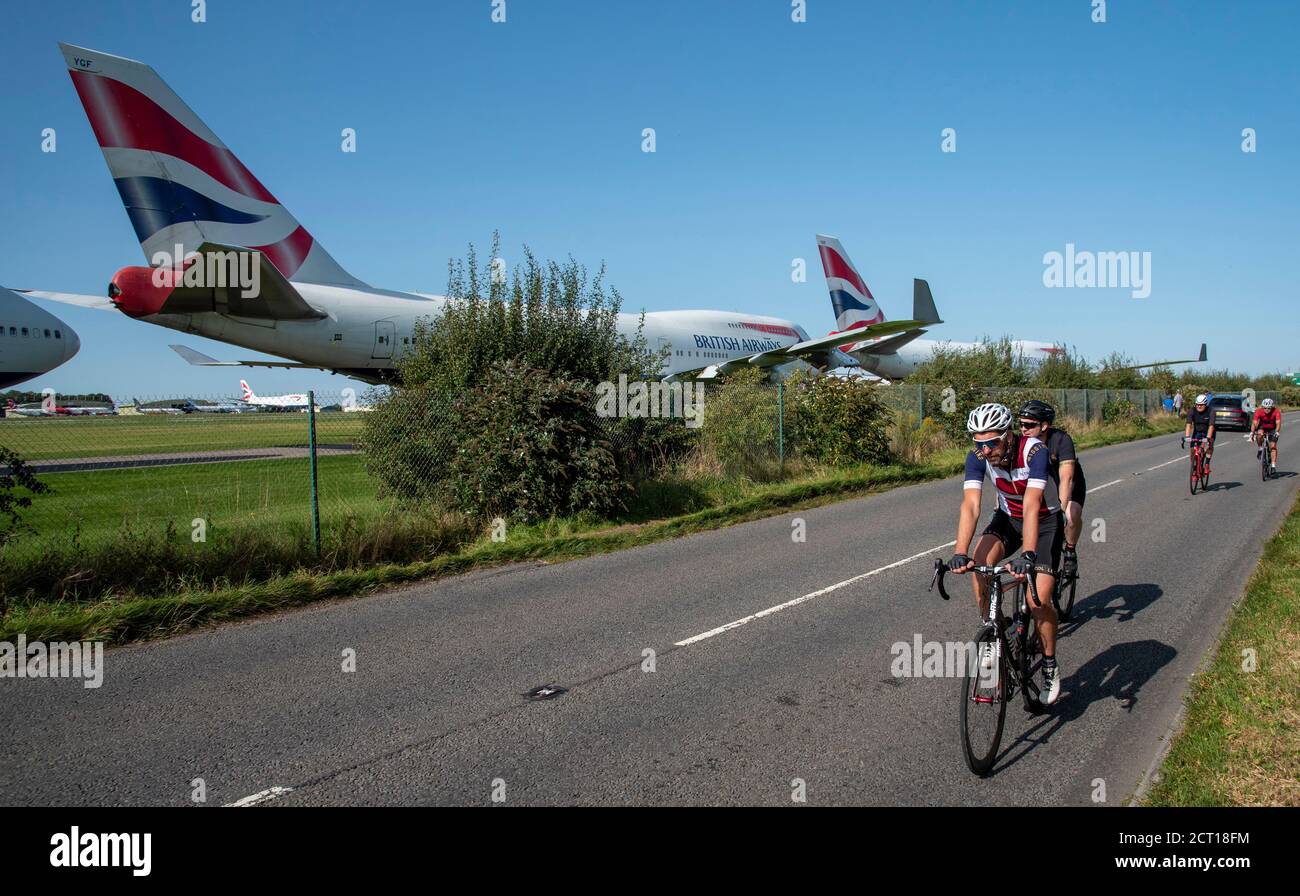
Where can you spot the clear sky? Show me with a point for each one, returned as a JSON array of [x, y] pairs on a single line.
[[1122, 136]]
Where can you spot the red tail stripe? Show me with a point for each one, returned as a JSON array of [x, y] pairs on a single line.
[[288, 254], [124, 117], [835, 266]]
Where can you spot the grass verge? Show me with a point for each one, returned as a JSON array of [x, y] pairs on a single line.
[[128, 617], [1240, 740]]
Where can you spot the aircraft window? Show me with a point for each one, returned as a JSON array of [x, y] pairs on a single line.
[[338, 337], [24, 331], [47, 334], [13, 331], [58, 335]]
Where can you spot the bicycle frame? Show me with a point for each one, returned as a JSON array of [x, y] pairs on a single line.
[[1026, 587]]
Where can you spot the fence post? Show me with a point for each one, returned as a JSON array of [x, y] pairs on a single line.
[[780, 424], [311, 453], [920, 404], [1085, 404]]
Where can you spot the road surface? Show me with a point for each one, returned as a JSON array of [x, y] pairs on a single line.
[[772, 662]]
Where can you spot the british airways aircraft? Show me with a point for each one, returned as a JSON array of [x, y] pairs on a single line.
[[188, 196], [32, 341]]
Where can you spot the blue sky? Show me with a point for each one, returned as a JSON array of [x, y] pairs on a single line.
[[1117, 136]]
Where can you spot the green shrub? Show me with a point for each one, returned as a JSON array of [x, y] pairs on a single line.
[[840, 421], [739, 435], [532, 447], [1122, 411]]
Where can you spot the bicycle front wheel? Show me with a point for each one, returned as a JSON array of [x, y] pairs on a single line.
[[983, 703]]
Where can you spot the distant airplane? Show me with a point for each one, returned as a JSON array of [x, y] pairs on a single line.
[[32, 341], [50, 408], [294, 402], [182, 187]]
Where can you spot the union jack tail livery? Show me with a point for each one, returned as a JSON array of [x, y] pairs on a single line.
[[854, 305], [180, 184], [248, 393]]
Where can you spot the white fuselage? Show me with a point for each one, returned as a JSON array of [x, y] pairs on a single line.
[[32, 341], [365, 332], [903, 363]]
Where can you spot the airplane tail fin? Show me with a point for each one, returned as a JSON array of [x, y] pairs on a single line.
[[180, 184], [853, 303], [248, 393]]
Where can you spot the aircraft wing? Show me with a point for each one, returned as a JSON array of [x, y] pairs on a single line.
[[99, 303], [886, 346], [823, 349], [198, 359], [1197, 360]]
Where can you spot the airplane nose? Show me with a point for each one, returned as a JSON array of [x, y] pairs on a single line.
[[71, 344]]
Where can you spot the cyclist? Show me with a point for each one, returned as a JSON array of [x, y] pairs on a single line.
[[1264, 427], [1028, 515], [1200, 425], [1036, 419]]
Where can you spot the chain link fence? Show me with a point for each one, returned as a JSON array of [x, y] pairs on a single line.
[[186, 468]]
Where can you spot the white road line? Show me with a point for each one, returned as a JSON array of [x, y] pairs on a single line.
[[807, 597], [263, 796], [1167, 463], [1106, 485]]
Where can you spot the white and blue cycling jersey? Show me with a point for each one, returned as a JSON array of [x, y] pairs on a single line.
[[1030, 469]]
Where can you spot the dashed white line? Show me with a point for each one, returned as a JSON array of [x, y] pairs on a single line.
[[1106, 485], [1167, 463], [262, 796], [807, 597]]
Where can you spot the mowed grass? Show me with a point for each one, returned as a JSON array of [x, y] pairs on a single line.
[[97, 507], [1240, 741], [42, 438]]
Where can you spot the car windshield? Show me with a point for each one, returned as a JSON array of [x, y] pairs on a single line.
[[1226, 403]]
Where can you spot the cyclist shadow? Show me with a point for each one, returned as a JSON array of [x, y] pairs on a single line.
[[1122, 602], [1221, 486], [1117, 673], [1283, 474]]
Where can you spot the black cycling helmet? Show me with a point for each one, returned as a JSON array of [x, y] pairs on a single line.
[[1038, 410]]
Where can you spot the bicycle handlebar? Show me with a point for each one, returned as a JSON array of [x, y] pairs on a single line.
[[941, 570]]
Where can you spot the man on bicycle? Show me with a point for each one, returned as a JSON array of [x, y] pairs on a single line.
[[1200, 425], [1264, 427], [1036, 419], [1028, 515]]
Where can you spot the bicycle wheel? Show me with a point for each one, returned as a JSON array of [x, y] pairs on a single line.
[[1030, 661], [1263, 461], [1205, 473], [1196, 474], [1063, 596], [983, 706]]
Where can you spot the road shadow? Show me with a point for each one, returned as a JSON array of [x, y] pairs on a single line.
[[1222, 486], [1284, 474], [1117, 673], [1120, 602]]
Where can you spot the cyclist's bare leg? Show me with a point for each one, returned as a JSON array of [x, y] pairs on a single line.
[[1074, 528], [1044, 616], [988, 552]]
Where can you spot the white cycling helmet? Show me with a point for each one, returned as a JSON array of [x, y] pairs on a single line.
[[1202, 399], [991, 417], [1266, 403]]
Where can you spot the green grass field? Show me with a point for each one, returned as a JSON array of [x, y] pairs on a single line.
[[95, 507], [40, 438]]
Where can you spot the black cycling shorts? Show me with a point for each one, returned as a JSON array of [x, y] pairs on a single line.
[[1051, 537]]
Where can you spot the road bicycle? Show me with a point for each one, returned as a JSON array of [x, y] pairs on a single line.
[[1266, 467], [1063, 593], [1200, 473], [1007, 655]]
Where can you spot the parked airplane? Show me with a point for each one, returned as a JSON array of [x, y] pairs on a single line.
[[186, 194], [32, 341], [897, 357], [295, 402], [51, 408]]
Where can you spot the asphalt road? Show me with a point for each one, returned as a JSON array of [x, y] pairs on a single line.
[[435, 712]]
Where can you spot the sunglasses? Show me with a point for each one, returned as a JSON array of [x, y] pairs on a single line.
[[1030, 424], [986, 444]]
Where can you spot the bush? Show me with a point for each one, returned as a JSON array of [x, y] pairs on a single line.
[[915, 441], [839, 421], [532, 447], [1122, 411], [739, 435]]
